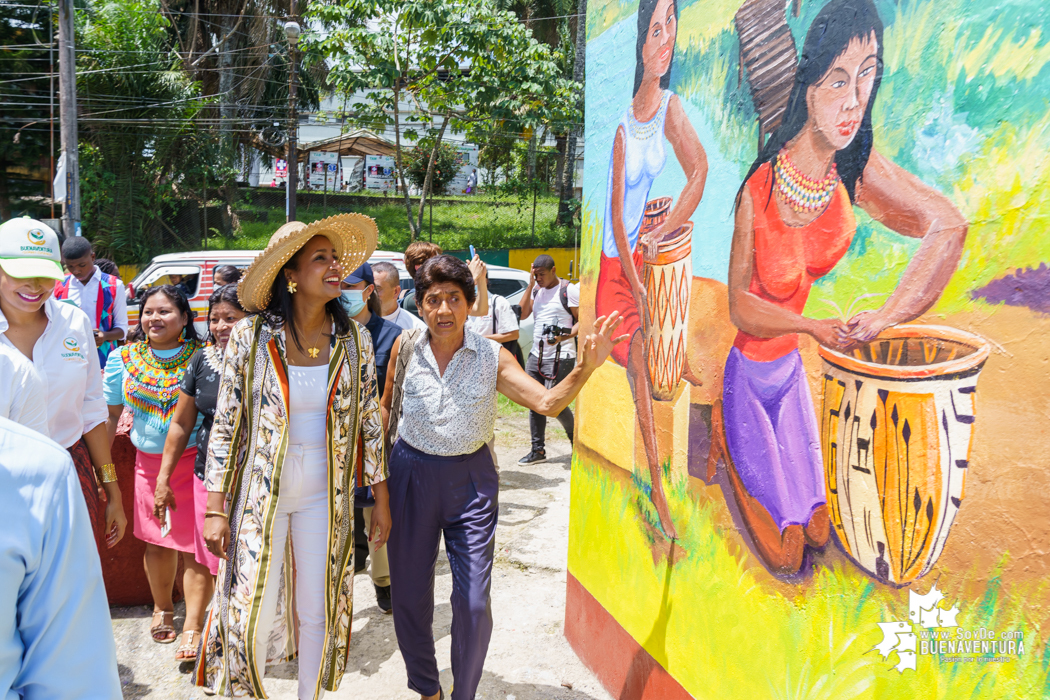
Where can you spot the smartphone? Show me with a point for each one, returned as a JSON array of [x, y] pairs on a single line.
[[165, 527], [473, 252]]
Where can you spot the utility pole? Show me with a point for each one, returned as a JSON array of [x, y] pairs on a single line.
[[291, 31], [67, 100]]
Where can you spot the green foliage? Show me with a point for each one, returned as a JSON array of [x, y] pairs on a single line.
[[139, 144], [417, 161], [463, 63], [24, 139], [488, 224]]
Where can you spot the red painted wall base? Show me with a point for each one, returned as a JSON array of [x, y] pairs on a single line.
[[626, 670]]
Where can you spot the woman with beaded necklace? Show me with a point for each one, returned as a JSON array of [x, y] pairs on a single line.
[[794, 222], [144, 376], [198, 394], [638, 158]]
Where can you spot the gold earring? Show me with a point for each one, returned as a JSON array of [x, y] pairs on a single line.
[[291, 287]]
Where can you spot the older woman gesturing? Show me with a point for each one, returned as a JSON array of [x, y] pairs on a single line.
[[440, 399]]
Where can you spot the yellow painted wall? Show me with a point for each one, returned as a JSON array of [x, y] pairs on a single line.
[[565, 259]]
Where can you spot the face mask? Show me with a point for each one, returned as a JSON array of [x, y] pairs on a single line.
[[353, 300]]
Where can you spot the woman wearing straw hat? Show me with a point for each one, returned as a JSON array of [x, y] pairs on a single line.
[[59, 341], [297, 411]]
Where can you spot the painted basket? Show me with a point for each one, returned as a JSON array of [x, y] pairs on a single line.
[[896, 430], [656, 210], [667, 284]]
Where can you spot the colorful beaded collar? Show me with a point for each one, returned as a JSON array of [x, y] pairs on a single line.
[[801, 192], [151, 389]]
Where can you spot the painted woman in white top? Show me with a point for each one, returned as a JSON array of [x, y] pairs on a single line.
[[638, 158], [58, 339]]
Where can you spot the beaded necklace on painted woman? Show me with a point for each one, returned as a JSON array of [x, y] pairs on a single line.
[[801, 192]]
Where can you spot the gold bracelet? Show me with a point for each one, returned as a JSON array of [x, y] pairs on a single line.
[[108, 472], [215, 512]]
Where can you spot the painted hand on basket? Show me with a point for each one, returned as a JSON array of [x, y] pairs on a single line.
[[866, 325], [596, 347], [831, 333], [650, 244]]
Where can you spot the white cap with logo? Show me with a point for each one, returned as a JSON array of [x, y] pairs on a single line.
[[29, 248]]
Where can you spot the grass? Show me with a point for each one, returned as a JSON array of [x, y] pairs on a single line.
[[724, 627], [508, 409], [455, 227]]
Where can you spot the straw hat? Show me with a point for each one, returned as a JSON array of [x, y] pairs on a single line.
[[353, 235]]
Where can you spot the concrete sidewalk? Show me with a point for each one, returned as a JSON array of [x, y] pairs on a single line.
[[528, 659]]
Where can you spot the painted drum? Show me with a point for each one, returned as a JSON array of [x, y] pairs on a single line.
[[667, 284], [656, 211], [896, 429]]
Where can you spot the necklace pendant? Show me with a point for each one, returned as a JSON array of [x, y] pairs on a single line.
[[313, 352]]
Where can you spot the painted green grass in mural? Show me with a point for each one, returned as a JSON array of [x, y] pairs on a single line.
[[726, 629]]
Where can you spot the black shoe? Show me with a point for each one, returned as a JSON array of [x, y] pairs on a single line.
[[383, 599], [534, 457]]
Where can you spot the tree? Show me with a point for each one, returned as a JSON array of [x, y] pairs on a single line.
[[562, 25], [417, 163], [139, 141], [456, 64], [238, 53], [566, 196], [24, 140]]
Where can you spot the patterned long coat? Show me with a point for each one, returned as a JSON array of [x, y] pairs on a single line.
[[245, 456]]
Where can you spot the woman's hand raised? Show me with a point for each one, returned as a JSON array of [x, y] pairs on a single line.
[[596, 347]]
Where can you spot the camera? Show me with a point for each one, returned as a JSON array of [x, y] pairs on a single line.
[[552, 331]]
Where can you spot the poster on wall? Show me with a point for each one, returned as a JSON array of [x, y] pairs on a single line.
[[324, 168], [817, 468], [379, 173], [466, 163]]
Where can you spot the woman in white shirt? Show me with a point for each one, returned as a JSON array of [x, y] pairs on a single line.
[[59, 340], [441, 399], [296, 427]]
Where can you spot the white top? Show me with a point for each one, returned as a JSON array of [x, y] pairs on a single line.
[[506, 321], [23, 399], [308, 406], [86, 297], [406, 320], [643, 161], [455, 413], [547, 309], [66, 363]]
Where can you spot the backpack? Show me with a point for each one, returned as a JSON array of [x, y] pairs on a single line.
[[563, 297]]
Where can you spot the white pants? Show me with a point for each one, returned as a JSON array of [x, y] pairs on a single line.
[[302, 509]]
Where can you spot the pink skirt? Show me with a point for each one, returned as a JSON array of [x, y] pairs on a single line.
[[200, 549], [183, 516]]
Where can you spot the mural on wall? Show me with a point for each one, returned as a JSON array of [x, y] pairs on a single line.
[[794, 451]]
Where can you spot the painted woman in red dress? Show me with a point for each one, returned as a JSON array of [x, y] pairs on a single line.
[[794, 222]]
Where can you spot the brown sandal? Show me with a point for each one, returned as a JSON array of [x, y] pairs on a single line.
[[187, 651], [164, 633]]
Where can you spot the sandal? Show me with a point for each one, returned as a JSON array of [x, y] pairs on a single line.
[[187, 651], [164, 633]]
